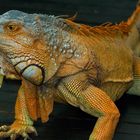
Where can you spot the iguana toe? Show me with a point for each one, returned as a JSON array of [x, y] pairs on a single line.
[[15, 131], [13, 137], [4, 128]]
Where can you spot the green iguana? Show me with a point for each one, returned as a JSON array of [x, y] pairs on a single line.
[[57, 59]]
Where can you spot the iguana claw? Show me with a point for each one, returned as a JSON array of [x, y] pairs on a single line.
[[4, 128], [16, 130]]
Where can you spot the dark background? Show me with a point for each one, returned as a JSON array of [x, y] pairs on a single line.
[[66, 122]]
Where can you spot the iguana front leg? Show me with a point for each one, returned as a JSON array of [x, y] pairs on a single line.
[[23, 123], [79, 92]]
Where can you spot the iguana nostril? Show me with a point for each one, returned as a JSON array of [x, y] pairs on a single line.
[[34, 74]]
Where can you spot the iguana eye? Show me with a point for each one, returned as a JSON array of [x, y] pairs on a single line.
[[12, 27]]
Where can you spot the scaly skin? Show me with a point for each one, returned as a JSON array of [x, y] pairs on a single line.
[[133, 40], [58, 58], [29, 107], [23, 124]]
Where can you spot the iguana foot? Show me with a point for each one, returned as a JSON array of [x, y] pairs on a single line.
[[16, 130]]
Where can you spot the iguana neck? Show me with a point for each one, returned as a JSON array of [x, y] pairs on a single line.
[[65, 46], [58, 41]]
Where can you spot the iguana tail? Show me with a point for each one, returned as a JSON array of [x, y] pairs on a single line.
[[135, 89]]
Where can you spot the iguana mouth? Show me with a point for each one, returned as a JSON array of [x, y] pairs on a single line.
[[4, 43]]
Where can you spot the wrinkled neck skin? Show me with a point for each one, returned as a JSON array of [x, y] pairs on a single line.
[[66, 51]]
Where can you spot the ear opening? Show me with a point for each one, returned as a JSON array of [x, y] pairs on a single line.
[[34, 74]]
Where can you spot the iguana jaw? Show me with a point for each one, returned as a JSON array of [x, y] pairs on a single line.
[[28, 62], [22, 63]]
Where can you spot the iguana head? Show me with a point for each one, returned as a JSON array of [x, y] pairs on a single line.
[[23, 44], [42, 46]]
